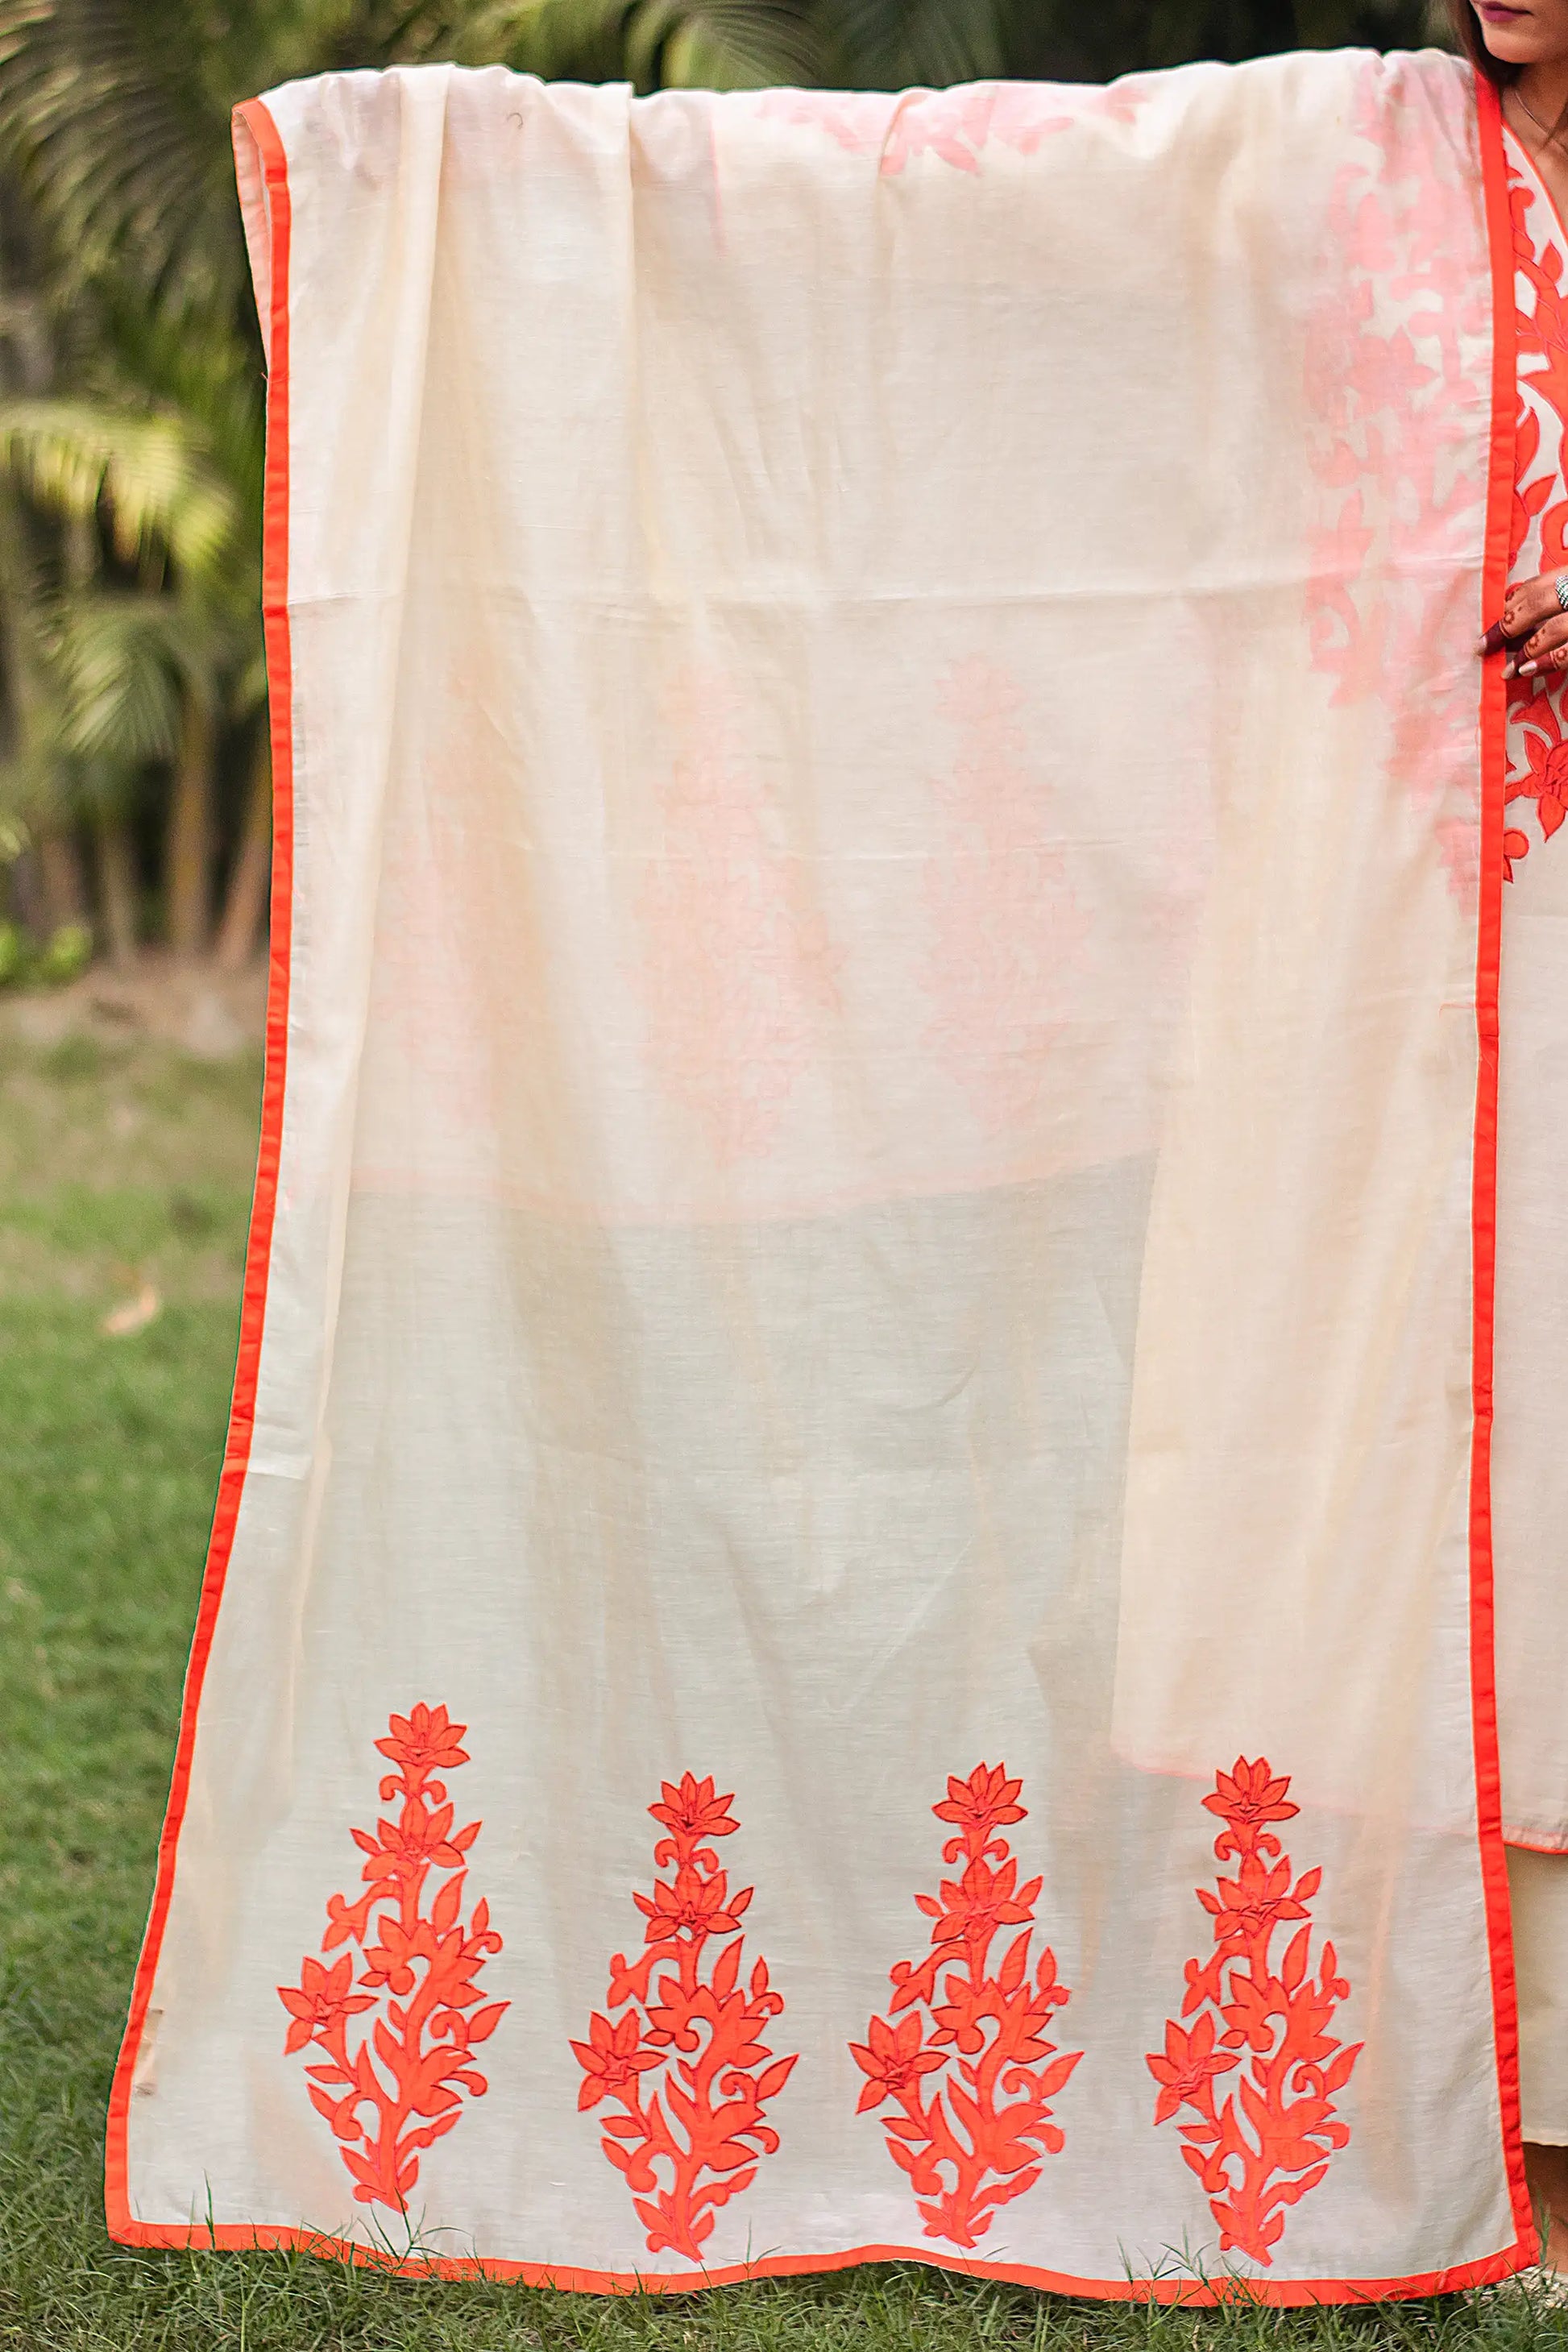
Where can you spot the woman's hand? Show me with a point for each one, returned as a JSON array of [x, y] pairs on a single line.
[[1533, 630]]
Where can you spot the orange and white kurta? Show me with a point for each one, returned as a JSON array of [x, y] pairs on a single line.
[[851, 1606], [1530, 1488]]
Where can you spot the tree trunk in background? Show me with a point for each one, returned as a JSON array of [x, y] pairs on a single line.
[[27, 893], [189, 843], [117, 891], [245, 906], [62, 883]]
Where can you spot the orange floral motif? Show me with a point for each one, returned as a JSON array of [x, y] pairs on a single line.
[[400, 2088], [1538, 708], [1392, 388], [689, 2141], [1271, 2140], [977, 2141]]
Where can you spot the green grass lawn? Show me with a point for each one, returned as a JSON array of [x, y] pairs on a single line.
[[125, 1168]]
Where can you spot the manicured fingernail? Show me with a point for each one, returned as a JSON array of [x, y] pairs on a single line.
[[1527, 669]]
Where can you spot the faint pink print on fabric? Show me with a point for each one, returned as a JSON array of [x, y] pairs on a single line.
[[1538, 542], [1397, 367], [436, 906], [954, 125], [737, 967], [1007, 934]]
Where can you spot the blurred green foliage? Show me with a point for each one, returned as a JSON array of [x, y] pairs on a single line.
[[135, 789]]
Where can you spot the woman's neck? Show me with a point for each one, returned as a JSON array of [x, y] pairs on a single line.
[[1543, 93]]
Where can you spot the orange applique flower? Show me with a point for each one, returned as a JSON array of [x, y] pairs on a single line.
[[612, 2058], [1535, 705], [688, 2138], [421, 1836], [400, 2090], [1251, 1794], [1269, 2143], [321, 2001], [424, 1740], [1187, 2069], [692, 1811], [979, 2140], [893, 2060], [1248, 1908], [961, 2015], [692, 1905], [983, 1901], [1546, 780], [390, 1962], [986, 1800]]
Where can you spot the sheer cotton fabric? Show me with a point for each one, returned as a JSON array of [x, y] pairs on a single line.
[[876, 1160], [1538, 1890], [1531, 1500]]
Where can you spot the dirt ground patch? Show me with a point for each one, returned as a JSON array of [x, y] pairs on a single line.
[[202, 1012]]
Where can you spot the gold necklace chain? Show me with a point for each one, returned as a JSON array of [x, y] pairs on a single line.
[[1548, 130]]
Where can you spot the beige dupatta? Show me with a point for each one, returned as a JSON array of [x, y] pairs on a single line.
[[874, 1234]]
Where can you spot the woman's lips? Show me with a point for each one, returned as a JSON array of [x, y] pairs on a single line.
[[1493, 15]]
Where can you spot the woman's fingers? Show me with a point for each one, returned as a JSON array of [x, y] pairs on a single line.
[[1534, 600], [1525, 607], [1545, 649], [1528, 604], [1550, 634]]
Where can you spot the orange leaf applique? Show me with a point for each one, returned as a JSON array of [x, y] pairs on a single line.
[[1538, 705], [398, 2088], [684, 2070], [978, 2139], [1259, 2034]]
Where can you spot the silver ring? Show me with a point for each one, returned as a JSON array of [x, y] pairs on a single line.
[[1560, 584]]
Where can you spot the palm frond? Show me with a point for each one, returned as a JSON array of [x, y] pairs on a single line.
[[896, 44], [721, 44], [149, 474], [188, 361], [691, 44], [123, 666], [116, 140], [579, 40]]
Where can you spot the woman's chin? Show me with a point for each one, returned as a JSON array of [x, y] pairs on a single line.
[[1512, 36]]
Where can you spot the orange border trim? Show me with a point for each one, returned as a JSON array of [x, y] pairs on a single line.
[[1494, 754], [1176, 2289], [1534, 1841], [1198, 2293], [258, 1248]]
